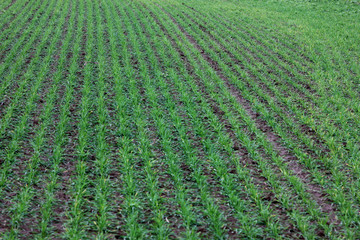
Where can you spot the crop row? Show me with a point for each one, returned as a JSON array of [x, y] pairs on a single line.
[[169, 119]]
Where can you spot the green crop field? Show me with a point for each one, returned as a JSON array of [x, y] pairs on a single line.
[[190, 119]]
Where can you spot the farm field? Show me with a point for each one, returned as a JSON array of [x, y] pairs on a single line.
[[190, 119]]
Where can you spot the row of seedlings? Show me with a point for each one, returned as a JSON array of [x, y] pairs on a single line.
[[21, 127], [247, 221], [167, 133], [209, 150], [127, 140], [267, 146], [193, 160], [12, 111], [7, 4], [314, 168], [175, 171], [291, 43], [333, 106], [18, 22], [280, 162], [259, 32], [275, 88], [22, 200], [288, 68], [341, 177], [75, 224], [174, 110], [11, 93], [278, 96], [337, 151], [102, 158], [255, 74], [123, 147], [28, 68], [254, 36], [285, 52], [16, 51], [242, 173], [57, 157], [19, 8], [147, 153]]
